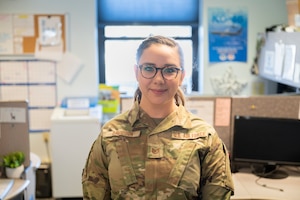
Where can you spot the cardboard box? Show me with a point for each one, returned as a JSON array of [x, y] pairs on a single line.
[[293, 8]]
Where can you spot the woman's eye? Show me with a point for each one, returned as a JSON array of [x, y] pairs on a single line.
[[170, 70], [148, 68]]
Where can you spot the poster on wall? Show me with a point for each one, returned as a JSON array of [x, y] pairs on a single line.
[[227, 32]]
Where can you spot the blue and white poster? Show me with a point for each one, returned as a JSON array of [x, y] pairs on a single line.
[[227, 32]]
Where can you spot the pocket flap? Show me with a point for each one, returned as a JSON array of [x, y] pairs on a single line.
[[132, 134]]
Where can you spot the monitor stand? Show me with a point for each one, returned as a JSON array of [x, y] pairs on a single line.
[[269, 171]]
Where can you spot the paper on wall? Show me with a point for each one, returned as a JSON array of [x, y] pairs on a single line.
[[68, 67], [50, 30], [289, 62], [222, 112], [202, 108], [279, 55], [6, 32], [12, 115], [51, 52], [269, 62]]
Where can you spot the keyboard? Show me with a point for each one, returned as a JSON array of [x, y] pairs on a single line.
[[5, 186]]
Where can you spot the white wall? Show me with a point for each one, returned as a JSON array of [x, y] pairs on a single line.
[[261, 14]]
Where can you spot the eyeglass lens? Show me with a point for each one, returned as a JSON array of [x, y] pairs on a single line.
[[168, 72]]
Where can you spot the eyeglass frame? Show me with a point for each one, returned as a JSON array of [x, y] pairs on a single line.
[[161, 70]]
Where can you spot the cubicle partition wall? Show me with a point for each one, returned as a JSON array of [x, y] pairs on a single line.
[[14, 136], [14, 128], [219, 111]]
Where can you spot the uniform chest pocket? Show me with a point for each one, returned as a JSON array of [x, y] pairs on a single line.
[[117, 144], [186, 171]]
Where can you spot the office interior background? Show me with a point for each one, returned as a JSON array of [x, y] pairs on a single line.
[[83, 36]]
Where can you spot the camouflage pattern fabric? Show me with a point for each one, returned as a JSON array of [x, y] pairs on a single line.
[[180, 158]]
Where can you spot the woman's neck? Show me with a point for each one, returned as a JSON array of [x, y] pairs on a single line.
[[158, 110]]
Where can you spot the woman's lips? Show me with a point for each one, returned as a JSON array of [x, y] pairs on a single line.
[[158, 91]]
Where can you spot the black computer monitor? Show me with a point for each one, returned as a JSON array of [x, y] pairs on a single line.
[[266, 141]]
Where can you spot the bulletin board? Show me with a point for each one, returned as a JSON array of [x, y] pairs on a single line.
[[21, 33]]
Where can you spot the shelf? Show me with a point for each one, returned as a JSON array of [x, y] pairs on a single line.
[[287, 69]]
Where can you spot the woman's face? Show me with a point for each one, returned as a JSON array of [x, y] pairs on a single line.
[[159, 91]]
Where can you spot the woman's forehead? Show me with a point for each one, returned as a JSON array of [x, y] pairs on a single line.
[[160, 51]]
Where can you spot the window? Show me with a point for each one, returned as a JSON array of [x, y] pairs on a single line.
[[122, 26]]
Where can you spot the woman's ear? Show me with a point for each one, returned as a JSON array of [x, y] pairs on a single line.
[[182, 76], [136, 71]]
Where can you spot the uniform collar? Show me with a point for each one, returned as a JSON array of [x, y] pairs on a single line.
[[179, 117]]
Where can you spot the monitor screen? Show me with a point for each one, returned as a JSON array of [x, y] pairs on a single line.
[[270, 141]]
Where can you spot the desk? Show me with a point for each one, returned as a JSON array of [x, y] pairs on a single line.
[[247, 187], [5, 186], [18, 187], [15, 187], [26, 184]]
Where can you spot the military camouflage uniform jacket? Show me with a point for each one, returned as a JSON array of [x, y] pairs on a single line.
[[180, 158]]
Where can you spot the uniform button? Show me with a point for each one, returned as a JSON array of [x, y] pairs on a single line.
[[155, 151]]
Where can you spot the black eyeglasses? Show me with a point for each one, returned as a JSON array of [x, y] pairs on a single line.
[[168, 72]]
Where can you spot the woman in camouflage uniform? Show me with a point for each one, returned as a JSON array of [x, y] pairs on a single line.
[[158, 149]]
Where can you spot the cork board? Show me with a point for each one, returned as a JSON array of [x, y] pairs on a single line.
[[22, 31], [293, 8], [14, 127]]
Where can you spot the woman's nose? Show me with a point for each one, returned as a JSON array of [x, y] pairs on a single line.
[[159, 75]]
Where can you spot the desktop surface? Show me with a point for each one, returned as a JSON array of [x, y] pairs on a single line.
[[250, 186], [5, 186]]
